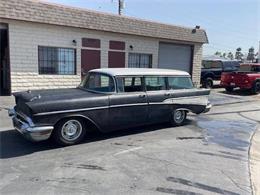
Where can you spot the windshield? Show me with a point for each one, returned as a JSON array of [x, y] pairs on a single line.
[[98, 82]]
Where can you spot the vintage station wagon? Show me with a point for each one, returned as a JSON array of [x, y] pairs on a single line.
[[108, 99]]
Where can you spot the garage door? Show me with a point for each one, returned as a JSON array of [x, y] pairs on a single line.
[[173, 56]]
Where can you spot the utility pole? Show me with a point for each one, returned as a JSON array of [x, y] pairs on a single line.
[[120, 6]]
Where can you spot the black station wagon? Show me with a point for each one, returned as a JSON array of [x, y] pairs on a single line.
[[108, 99]]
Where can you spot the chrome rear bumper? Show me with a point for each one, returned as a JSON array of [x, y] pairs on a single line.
[[28, 129]]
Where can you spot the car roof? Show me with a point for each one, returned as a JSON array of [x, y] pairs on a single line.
[[140, 72], [250, 64]]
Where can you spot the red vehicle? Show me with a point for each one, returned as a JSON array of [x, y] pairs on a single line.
[[247, 77]]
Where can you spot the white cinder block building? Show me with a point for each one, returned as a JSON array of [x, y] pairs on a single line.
[[46, 45]]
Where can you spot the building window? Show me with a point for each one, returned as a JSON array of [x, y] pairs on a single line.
[[139, 60], [53, 60]]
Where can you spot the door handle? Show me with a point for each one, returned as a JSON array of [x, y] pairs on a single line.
[[141, 95], [167, 94]]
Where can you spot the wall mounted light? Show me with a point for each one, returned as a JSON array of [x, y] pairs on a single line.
[[74, 42], [131, 47], [195, 29]]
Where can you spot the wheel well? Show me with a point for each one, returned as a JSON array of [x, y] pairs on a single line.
[[184, 109], [210, 75], [89, 123]]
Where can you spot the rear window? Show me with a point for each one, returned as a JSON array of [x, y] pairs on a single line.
[[230, 65], [248, 68], [211, 64], [180, 83]]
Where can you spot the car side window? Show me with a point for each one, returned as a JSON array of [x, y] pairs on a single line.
[[211, 64], [100, 83], [256, 68], [180, 83], [154, 83], [129, 84]]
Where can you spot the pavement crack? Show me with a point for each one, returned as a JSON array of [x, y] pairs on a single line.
[[241, 114], [160, 160], [233, 181]]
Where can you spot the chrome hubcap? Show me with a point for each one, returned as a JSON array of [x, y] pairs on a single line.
[[179, 116], [71, 130]]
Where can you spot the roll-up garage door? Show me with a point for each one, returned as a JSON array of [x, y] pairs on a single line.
[[174, 56]]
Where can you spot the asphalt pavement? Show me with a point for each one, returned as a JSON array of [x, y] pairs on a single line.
[[209, 155]]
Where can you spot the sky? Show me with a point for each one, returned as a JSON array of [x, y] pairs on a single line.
[[229, 23]]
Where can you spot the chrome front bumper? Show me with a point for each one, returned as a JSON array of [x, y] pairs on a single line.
[[208, 107], [28, 129]]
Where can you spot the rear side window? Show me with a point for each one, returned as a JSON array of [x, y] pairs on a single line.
[[180, 83], [256, 68], [155, 83], [129, 84]]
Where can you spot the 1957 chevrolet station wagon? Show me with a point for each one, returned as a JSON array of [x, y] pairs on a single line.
[[108, 99]]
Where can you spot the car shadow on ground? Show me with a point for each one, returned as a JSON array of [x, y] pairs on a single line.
[[238, 92], [12, 144]]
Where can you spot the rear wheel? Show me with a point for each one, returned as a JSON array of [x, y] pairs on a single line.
[[229, 89], [178, 117], [256, 87], [208, 83], [69, 131]]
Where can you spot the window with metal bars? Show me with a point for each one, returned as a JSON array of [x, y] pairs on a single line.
[[54, 60], [140, 60]]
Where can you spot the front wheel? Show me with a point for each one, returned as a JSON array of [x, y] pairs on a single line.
[[69, 131], [208, 83], [256, 87], [178, 117], [229, 89]]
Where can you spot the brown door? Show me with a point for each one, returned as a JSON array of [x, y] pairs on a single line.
[[116, 59], [90, 59], [5, 84]]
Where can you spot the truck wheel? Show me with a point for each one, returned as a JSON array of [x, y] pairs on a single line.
[[69, 131], [208, 83], [229, 89], [256, 87], [178, 117]]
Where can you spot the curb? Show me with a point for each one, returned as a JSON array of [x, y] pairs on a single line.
[[254, 162]]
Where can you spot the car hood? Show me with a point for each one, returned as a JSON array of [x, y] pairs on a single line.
[[50, 100]]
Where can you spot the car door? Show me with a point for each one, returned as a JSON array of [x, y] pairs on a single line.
[[217, 68], [157, 93], [128, 107]]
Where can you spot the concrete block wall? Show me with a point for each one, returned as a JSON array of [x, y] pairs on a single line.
[[25, 37], [197, 58]]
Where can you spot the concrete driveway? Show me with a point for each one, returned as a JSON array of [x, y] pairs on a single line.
[[209, 155]]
